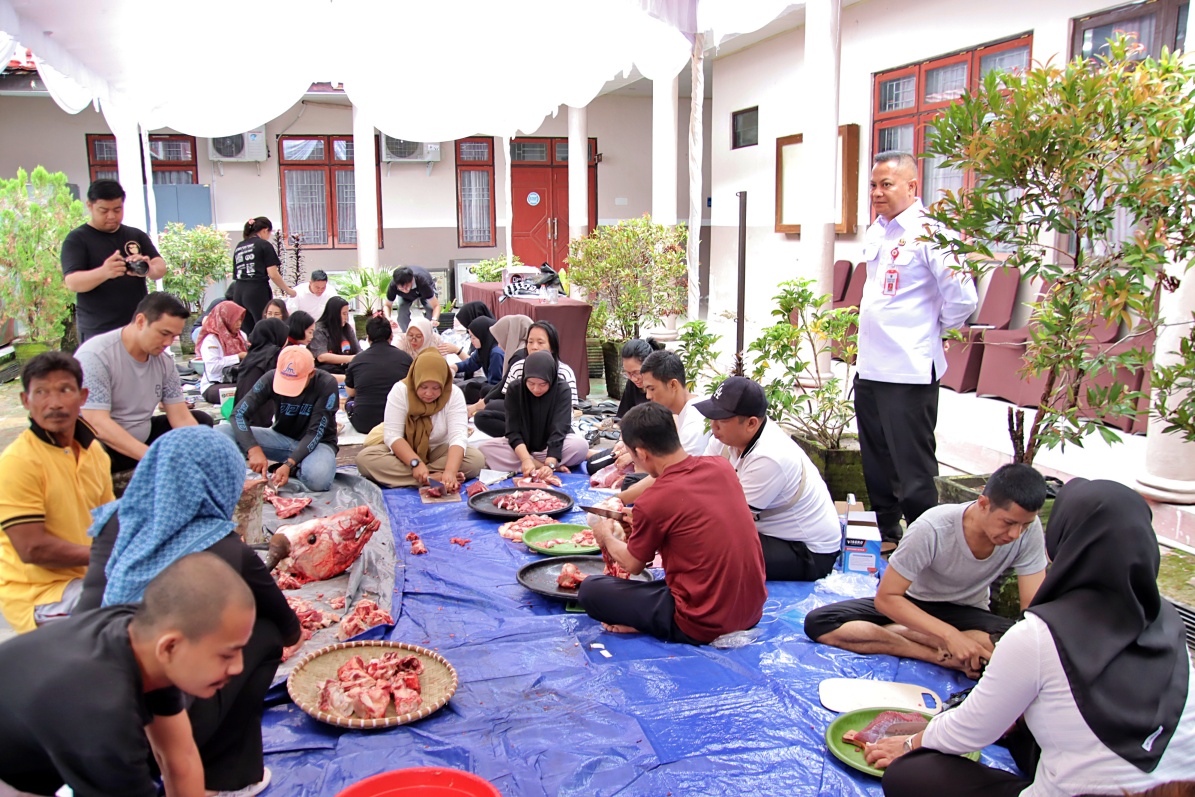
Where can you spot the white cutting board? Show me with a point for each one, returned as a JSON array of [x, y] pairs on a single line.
[[848, 694]]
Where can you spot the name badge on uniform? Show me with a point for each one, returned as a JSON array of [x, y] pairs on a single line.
[[891, 282]]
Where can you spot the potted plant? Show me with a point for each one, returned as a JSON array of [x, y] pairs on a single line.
[[697, 352], [1063, 155], [365, 289], [36, 213], [634, 273], [815, 406], [196, 257], [490, 270]]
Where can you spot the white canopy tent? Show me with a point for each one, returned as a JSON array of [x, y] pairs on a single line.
[[482, 66]]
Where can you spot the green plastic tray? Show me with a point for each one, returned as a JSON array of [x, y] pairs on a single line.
[[552, 531], [857, 720]]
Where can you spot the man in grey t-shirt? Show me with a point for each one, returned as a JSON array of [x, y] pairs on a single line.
[[932, 603], [128, 373]]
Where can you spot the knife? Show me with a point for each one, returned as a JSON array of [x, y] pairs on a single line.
[[607, 513], [433, 483]]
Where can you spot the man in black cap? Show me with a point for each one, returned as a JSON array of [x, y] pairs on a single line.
[[412, 284], [794, 515]]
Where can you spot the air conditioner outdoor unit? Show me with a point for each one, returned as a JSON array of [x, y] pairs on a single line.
[[395, 150], [250, 146]]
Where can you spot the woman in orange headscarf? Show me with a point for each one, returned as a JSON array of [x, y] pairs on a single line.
[[222, 346], [424, 433]]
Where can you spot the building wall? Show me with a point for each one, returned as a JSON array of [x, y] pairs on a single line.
[[418, 207], [876, 36]]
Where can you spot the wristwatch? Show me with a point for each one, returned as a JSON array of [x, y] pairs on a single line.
[[415, 463], [290, 463]]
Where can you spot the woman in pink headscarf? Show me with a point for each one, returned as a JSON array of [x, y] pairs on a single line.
[[222, 346]]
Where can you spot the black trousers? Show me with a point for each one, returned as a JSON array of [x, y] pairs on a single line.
[[785, 560], [212, 394], [474, 389], [646, 606], [253, 296], [492, 420], [924, 771], [158, 426], [227, 726], [825, 619], [896, 435]]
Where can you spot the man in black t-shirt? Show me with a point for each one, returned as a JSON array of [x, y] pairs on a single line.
[[90, 698], [371, 374], [107, 263], [412, 284]]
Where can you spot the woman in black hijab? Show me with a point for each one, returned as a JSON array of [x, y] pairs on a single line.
[[470, 311], [267, 339], [487, 357], [1098, 667], [539, 423]]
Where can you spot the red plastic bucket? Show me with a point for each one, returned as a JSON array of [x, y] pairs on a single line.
[[424, 782]]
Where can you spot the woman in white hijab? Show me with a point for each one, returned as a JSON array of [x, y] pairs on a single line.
[[419, 336]]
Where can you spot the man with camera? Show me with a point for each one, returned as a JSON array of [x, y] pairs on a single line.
[[107, 263]]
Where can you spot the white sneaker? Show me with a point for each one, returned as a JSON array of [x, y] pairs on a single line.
[[248, 791]]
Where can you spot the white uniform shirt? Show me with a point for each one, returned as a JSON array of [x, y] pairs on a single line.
[[1025, 676], [691, 426], [211, 351], [770, 473], [901, 321], [308, 302], [449, 425]]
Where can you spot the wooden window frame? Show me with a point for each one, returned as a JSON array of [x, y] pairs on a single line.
[[848, 177], [329, 165], [894, 74], [929, 66], [1167, 22], [486, 166], [734, 118], [94, 165]]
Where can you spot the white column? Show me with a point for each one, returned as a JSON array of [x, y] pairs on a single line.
[[128, 163], [664, 108], [696, 148], [508, 192], [820, 143], [365, 189], [578, 173], [1169, 460]]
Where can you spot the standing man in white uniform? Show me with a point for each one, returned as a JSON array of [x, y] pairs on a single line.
[[794, 514], [912, 296]]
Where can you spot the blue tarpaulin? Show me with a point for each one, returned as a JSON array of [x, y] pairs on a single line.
[[541, 712]]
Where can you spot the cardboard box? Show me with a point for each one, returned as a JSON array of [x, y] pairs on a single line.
[[861, 549]]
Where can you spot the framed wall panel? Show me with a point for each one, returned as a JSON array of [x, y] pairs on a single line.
[[790, 182]]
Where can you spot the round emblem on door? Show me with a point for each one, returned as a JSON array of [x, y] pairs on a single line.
[[533, 199]]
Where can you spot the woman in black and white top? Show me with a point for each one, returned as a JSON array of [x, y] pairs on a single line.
[[254, 264], [489, 413], [334, 340], [1098, 672]]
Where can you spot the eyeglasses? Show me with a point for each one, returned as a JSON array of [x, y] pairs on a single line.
[[632, 374]]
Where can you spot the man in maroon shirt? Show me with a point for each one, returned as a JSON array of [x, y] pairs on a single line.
[[696, 517]]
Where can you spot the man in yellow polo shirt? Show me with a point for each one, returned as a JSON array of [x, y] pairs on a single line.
[[51, 477]]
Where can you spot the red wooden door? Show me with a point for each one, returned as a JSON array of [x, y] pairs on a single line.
[[531, 217], [560, 213]]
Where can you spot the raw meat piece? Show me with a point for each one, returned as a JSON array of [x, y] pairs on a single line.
[[613, 503], [584, 538], [554, 543], [346, 670], [878, 728], [411, 536], [432, 492], [461, 541], [609, 476], [475, 488], [530, 483], [409, 680], [333, 700], [285, 505], [337, 603], [370, 702], [570, 576], [310, 617], [417, 546], [410, 664], [287, 581], [325, 547], [515, 529], [406, 700], [529, 501], [365, 615]]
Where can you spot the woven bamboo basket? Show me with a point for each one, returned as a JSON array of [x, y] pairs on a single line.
[[438, 681]]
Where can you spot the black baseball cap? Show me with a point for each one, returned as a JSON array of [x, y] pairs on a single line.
[[737, 396]]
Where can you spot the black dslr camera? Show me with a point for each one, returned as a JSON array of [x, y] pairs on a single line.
[[138, 267]]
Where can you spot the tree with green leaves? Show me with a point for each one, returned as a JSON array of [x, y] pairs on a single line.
[[36, 212], [195, 257], [1066, 159]]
